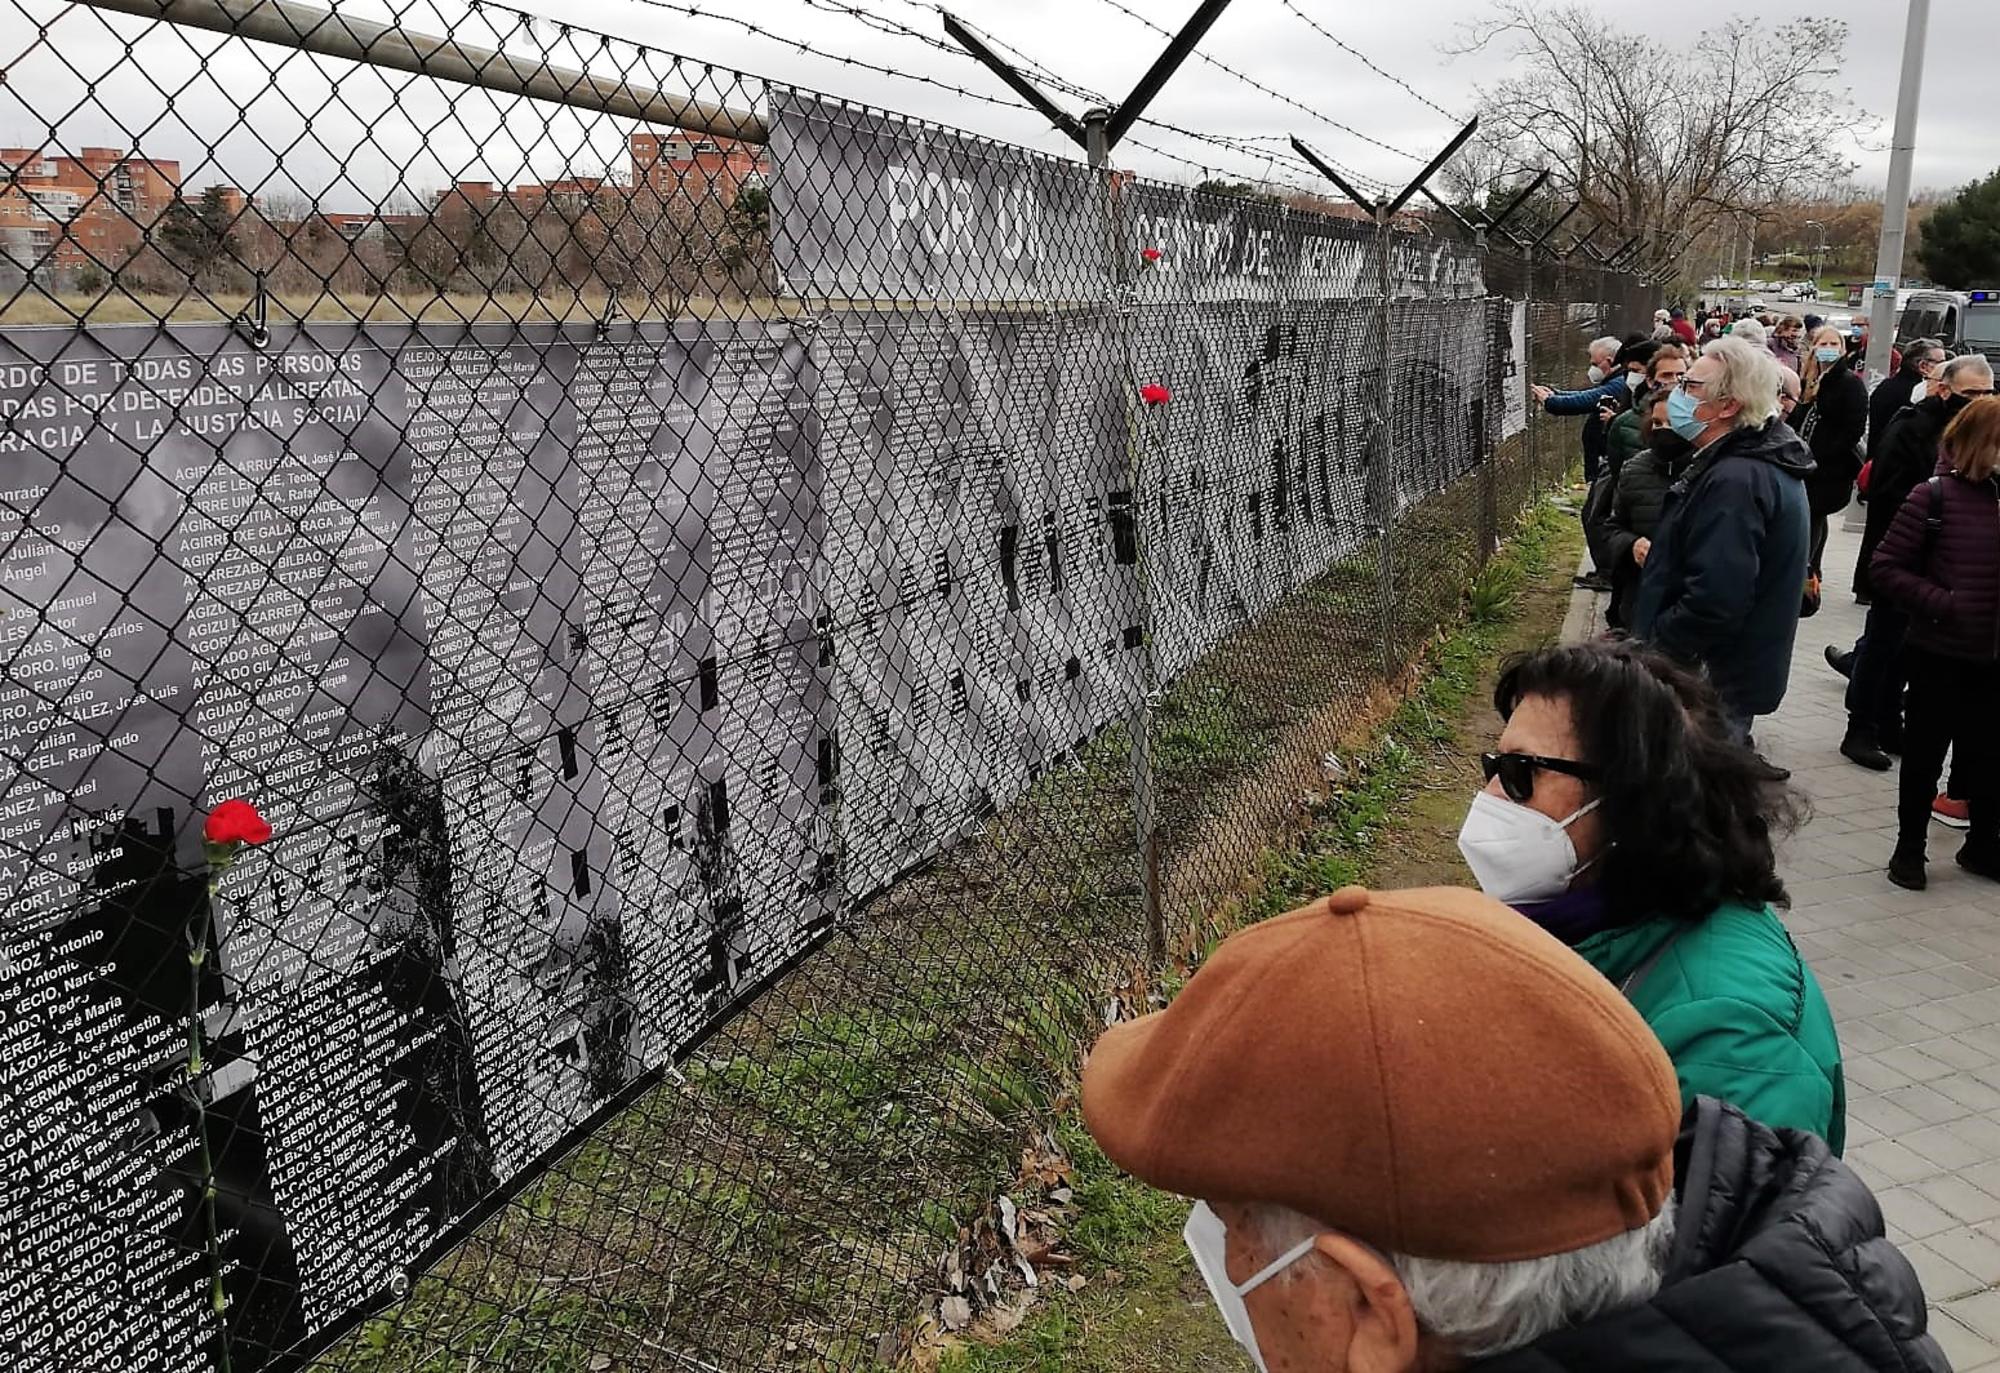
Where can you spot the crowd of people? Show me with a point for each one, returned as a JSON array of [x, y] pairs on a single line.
[[1591, 1116]]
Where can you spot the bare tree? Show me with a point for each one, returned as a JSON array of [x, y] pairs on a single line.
[[1677, 147]]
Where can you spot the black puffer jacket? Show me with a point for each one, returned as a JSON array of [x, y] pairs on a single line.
[[1632, 514], [1779, 1262]]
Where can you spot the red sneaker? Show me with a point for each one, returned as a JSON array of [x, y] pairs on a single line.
[[1947, 811]]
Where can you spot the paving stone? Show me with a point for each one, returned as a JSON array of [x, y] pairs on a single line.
[[1980, 1313], [1913, 1213], [1914, 982], [1943, 1280], [1964, 1349]]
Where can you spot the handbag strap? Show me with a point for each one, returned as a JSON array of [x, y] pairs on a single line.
[[1933, 519], [1636, 979]]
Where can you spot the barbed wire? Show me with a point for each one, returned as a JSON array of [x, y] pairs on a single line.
[[1233, 143], [1055, 81], [1364, 59], [1255, 84]]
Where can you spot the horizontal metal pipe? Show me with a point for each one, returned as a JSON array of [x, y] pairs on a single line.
[[312, 29]]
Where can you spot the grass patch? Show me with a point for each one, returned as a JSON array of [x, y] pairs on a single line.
[[1142, 1306], [788, 1205]]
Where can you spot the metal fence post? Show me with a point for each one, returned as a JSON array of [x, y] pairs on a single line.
[[1381, 461], [1145, 817], [1531, 434]]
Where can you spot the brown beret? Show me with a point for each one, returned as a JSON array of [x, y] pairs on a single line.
[[1427, 1071]]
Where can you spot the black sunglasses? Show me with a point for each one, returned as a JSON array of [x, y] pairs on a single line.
[[1516, 771]]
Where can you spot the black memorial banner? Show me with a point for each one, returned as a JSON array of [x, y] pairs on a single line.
[[870, 206], [514, 637], [982, 565]]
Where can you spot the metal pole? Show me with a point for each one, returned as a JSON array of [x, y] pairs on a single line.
[[1896, 202], [310, 29], [1016, 82], [1530, 435], [1381, 472], [1145, 811]]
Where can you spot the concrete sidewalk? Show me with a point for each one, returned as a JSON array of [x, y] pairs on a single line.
[[1914, 980]]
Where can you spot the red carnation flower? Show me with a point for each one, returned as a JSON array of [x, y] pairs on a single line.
[[235, 822], [1151, 255], [1155, 394]]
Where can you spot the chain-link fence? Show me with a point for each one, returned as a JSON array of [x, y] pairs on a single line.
[[757, 623]]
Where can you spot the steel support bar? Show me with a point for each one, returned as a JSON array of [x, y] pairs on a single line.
[[309, 28], [1016, 82], [1514, 205], [1164, 66], [1319, 164], [1428, 194], [1560, 220], [1423, 177]]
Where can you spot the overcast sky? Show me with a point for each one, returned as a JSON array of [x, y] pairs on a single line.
[[187, 96]]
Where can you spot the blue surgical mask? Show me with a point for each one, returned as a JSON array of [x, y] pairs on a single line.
[[1680, 414], [1827, 354]]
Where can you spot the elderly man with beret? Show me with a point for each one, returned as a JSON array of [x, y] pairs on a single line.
[[1424, 1135]]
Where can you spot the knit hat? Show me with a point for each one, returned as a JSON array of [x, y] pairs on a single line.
[[1426, 1071]]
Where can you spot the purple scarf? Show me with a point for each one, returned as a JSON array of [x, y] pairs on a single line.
[[1572, 917]]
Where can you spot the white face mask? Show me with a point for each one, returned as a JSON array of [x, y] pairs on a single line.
[[1208, 1240], [1596, 375], [1517, 853]]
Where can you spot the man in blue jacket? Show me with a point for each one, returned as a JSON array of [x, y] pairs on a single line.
[[1608, 381], [1727, 569], [1616, 370]]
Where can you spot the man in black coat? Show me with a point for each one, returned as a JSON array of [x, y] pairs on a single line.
[[1906, 459], [1921, 361], [1779, 1261]]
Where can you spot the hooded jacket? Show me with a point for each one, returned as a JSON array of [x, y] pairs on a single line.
[[1779, 1262], [1727, 570]]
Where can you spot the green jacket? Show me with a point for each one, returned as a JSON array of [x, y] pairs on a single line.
[[1622, 440], [1739, 1013]]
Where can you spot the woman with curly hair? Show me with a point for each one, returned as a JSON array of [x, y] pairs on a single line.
[[1621, 815]]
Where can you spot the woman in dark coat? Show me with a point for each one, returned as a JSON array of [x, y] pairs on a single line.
[[1831, 418], [1625, 532], [1940, 564]]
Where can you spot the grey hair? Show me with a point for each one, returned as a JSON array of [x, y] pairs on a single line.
[[1971, 362], [1917, 347], [1749, 375], [1750, 331], [1608, 344], [1483, 1309]]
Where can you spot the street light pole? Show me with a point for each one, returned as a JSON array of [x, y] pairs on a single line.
[[1896, 202], [1819, 251]]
